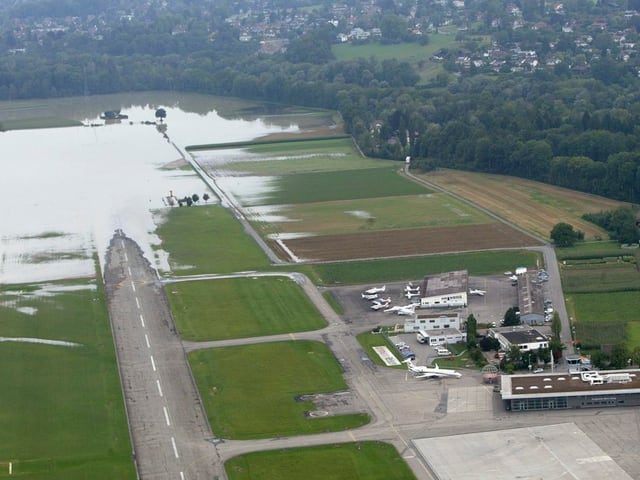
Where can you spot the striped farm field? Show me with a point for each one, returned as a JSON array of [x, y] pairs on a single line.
[[366, 215], [418, 241], [534, 206]]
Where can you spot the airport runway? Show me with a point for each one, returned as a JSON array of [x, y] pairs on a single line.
[[170, 433]]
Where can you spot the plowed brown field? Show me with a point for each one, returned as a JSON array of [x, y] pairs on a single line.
[[419, 241], [534, 206]]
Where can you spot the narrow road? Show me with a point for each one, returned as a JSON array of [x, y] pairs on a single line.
[[168, 427]]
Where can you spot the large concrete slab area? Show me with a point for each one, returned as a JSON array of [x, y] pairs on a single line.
[[561, 451]]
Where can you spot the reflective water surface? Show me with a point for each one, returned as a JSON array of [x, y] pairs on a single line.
[[66, 190]]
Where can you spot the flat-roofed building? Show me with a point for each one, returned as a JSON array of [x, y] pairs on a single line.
[[530, 298], [609, 388], [447, 290], [432, 321], [523, 336]]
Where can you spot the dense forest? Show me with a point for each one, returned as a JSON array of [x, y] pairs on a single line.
[[569, 128]]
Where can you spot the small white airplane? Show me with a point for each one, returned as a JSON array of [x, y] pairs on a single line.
[[371, 296], [431, 372], [373, 290], [378, 306], [407, 309], [410, 295], [411, 288], [382, 300], [475, 291]]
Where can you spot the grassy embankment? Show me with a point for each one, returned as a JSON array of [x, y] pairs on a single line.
[[241, 307], [62, 411], [244, 402], [345, 461], [33, 123]]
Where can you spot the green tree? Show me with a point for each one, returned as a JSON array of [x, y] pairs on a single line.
[[556, 326], [620, 356], [511, 317], [472, 331], [563, 235]]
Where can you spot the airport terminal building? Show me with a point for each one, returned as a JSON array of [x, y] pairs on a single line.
[[553, 391]]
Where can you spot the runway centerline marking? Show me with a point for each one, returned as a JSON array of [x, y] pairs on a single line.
[[137, 303], [133, 287], [126, 259], [166, 416], [142, 320], [129, 270], [153, 364], [159, 387], [181, 475], [146, 339], [175, 449]]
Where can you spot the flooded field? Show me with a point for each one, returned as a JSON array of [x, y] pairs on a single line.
[[68, 189]]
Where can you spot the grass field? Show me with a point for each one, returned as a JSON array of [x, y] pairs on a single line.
[[417, 55], [370, 214], [534, 206], [387, 270], [61, 409], [594, 250], [369, 340], [341, 185], [241, 307], [614, 276], [207, 239], [243, 401], [344, 461]]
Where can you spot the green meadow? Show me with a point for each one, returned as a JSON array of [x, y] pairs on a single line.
[[241, 307], [341, 185], [250, 391], [379, 213], [398, 269], [344, 461], [61, 410], [208, 239]]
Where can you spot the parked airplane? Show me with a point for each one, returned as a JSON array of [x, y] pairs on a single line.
[[431, 372], [371, 296], [408, 309], [475, 291], [410, 295], [411, 288], [373, 290], [382, 300], [378, 306]]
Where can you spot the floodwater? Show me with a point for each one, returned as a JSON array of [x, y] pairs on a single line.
[[66, 190]]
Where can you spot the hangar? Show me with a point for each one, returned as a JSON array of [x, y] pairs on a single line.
[[447, 290], [589, 389]]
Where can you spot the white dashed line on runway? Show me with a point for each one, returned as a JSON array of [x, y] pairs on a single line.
[[146, 339], [166, 416], [153, 364], [159, 387], [133, 287], [142, 320], [126, 259], [129, 270], [137, 303], [175, 449], [181, 475]]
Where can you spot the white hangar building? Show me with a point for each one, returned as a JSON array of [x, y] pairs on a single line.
[[447, 290]]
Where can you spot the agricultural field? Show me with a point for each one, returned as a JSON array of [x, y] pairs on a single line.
[[345, 461], [244, 402], [418, 241], [417, 55], [534, 206], [602, 285], [207, 239], [365, 215], [241, 307], [341, 206], [62, 411]]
